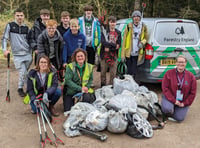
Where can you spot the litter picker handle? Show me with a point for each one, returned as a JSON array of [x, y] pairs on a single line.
[[8, 59]]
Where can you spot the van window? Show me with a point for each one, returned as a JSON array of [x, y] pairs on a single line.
[[119, 26], [176, 33]]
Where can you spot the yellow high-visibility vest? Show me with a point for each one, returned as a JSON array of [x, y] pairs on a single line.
[[86, 75]]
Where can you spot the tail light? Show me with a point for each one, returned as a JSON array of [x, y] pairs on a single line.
[[148, 52]]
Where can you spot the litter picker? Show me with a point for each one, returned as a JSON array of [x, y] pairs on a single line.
[[45, 131], [44, 117], [8, 78], [101, 137], [50, 126], [40, 131]]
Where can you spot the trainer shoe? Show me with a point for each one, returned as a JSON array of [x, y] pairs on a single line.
[[172, 119], [21, 92]]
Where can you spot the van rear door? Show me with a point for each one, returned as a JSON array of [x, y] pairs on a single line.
[[172, 38]]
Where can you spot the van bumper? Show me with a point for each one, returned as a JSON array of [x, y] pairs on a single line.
[[145, 76]]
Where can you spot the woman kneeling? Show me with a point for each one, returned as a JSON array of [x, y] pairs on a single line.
[[43, 80], [78, 78]]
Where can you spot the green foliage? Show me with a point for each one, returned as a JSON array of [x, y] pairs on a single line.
[[5, 17], [119, 8]]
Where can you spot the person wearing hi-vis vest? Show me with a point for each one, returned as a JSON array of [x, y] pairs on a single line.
[[179, 90], [134, 41], [43, 80], [90, 27], [78, 78]]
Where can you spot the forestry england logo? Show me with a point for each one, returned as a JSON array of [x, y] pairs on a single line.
[[179, 30]]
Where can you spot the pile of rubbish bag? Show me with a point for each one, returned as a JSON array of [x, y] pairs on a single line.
[[115, 109]]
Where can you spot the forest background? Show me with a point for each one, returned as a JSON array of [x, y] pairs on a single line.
[[189, 9], [186, 9]]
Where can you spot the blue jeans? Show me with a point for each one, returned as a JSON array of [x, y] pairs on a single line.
[[52, 99], [178, 113]]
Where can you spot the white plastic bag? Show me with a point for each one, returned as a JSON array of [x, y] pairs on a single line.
[[124, 84], [77, 115], [123, 101], [107, 92], [96, 120], [116, 122]]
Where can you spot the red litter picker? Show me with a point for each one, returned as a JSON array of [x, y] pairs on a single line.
[[8, 78]]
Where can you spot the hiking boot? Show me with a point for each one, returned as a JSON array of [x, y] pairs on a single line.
[[21, 92], [53, 111]]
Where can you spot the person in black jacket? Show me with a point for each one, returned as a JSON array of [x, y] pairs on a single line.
[[111, 42], [36, 30], [43, 80], [64, 25], [50, 43]]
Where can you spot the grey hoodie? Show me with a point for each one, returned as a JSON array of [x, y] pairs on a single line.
[[18, 39]]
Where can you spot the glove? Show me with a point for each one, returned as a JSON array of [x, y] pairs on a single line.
[[78, 95], [140, 45], [45, 98]]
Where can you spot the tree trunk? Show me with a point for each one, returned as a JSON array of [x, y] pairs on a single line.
[[137, 5], [27, 14], [52, 9]]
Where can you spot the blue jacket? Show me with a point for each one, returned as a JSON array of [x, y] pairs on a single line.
[[96, 30], [71, 43]]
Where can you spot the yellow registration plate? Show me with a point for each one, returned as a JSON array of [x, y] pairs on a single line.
[[168, 61]]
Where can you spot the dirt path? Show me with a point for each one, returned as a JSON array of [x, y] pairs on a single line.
[[19, 129]]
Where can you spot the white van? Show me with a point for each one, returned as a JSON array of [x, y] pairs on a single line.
[[167, 38]]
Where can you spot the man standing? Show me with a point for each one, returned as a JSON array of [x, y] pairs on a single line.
[[38, 27], [111, 42], [90, 27], [64, 25], [134, 40], [17, 33]]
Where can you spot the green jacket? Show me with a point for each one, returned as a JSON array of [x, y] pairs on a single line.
[[72, 80]]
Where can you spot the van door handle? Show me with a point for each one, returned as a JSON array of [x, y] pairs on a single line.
[[178, 50]]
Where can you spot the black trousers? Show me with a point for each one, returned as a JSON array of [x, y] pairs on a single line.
[[132, 65], [54, 63], [91, 54], [68, 102]]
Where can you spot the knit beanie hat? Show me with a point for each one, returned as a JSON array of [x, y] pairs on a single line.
[[136, 13]]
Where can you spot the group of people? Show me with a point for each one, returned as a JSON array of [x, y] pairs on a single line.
[[72, 46]]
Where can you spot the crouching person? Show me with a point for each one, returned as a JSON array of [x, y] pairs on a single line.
[[78, 78], [179, 90], [43, 80]]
